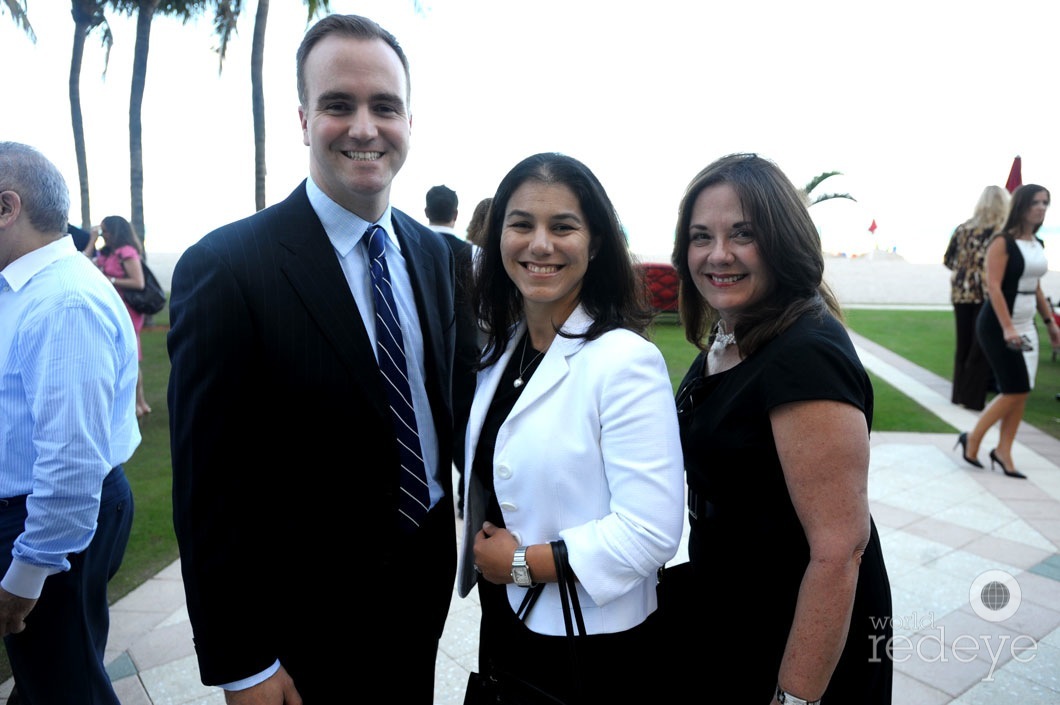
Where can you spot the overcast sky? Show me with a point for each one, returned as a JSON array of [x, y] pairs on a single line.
[[920, 105]]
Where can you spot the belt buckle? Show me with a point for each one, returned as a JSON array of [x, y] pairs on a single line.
[[692, 503]]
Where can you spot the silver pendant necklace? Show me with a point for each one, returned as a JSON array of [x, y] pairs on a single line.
[[522, 369]]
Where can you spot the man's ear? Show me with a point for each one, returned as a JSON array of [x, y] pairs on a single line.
[[10, 207]]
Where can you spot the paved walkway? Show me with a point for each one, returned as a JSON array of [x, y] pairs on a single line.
[[947, 529]]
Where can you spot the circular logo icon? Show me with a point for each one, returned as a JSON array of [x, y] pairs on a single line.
[[995, 595]]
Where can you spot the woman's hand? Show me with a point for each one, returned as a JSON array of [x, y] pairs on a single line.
[[1012, 337], [494, 551], [1054, 334]]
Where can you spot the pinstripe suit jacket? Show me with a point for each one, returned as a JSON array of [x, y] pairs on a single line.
[[284, 463]]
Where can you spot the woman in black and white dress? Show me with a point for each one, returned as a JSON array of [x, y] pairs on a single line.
[[1015, 263]]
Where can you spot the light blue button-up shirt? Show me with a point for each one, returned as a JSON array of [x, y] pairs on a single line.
[[346, 232], [68, 367]]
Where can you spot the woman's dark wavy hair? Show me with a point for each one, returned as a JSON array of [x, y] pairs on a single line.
[[788, 244], [121, 233], [1021, 203], [612, 292]]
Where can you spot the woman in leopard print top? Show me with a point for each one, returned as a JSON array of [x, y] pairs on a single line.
[[964, 258]]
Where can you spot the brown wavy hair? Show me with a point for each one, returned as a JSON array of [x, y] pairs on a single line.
[[787, 241]]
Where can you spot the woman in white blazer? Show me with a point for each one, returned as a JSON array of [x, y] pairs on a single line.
[[573, 435]]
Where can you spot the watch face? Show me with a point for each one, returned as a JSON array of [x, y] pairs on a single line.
[[521, 575]]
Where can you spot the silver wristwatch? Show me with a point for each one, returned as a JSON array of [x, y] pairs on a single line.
[[788, 699], [520, 569]]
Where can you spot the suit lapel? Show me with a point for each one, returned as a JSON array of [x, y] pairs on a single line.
[[311, 266]]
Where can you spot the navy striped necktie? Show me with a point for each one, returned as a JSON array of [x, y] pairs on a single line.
[[415, 498]]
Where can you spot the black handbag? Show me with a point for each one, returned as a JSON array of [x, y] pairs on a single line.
[[675, 616], [505, 689], [149, 300]]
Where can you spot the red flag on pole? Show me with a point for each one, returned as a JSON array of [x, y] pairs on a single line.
[[872, 228], [1015, 175]]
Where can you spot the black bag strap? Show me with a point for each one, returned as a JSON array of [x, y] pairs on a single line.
[[528, 601], [568, 592], [568, 597]]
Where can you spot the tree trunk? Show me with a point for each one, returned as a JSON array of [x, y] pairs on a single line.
[[257, 55], [81, 29], [144, 16]]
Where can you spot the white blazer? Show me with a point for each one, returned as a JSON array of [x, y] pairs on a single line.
[[590, 454]]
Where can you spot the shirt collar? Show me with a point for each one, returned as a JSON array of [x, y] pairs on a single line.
[[345, 229], [19, 272]]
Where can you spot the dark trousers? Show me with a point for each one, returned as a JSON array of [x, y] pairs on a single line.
[[58, 658], [972, 376]]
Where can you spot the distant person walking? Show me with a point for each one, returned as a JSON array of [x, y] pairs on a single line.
[[1015, 263], [442, 210], [121, 261], [964, 258], [476, 229]]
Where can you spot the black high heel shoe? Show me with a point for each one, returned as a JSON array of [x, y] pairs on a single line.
[[1010, 473], [962, 441]]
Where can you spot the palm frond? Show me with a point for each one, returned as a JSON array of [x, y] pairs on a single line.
[[816, 181], [226, 17], [17, 9], [830, 196]]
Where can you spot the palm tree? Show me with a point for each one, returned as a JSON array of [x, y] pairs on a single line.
[[806, 190], [87, 14], [145, 11], [17, 9], [227, 13], [257, 96]]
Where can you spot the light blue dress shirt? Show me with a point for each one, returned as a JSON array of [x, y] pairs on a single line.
[[68, 368], [346, 232]]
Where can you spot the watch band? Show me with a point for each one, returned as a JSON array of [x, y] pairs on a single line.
[[520, 569], [786, 698]]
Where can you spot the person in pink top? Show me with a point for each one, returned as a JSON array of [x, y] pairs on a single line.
[[120, 261]]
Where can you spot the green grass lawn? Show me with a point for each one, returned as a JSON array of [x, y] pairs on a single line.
[[152, 545], [927, 338]]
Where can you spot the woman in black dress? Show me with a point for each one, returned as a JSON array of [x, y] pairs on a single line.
[[1015, 264], [791, 588]]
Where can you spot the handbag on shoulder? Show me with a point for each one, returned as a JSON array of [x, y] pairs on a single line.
[[149, 300], [506, 689]]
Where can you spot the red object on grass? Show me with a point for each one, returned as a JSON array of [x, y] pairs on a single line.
[[1015, 175], [663, 285]]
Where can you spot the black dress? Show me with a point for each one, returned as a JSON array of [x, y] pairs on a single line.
[[746, 545], [1012, 368]]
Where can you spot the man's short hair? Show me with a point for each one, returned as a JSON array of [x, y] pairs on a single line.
[[39, 183], [441, 204]]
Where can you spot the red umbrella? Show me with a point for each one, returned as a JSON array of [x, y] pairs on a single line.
[[1015, 175]]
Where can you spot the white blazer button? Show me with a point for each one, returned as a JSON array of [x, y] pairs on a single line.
[[508, 507], [504, 472]]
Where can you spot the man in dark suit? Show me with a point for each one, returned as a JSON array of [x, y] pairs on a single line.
[[286, 462], [442, 211]]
